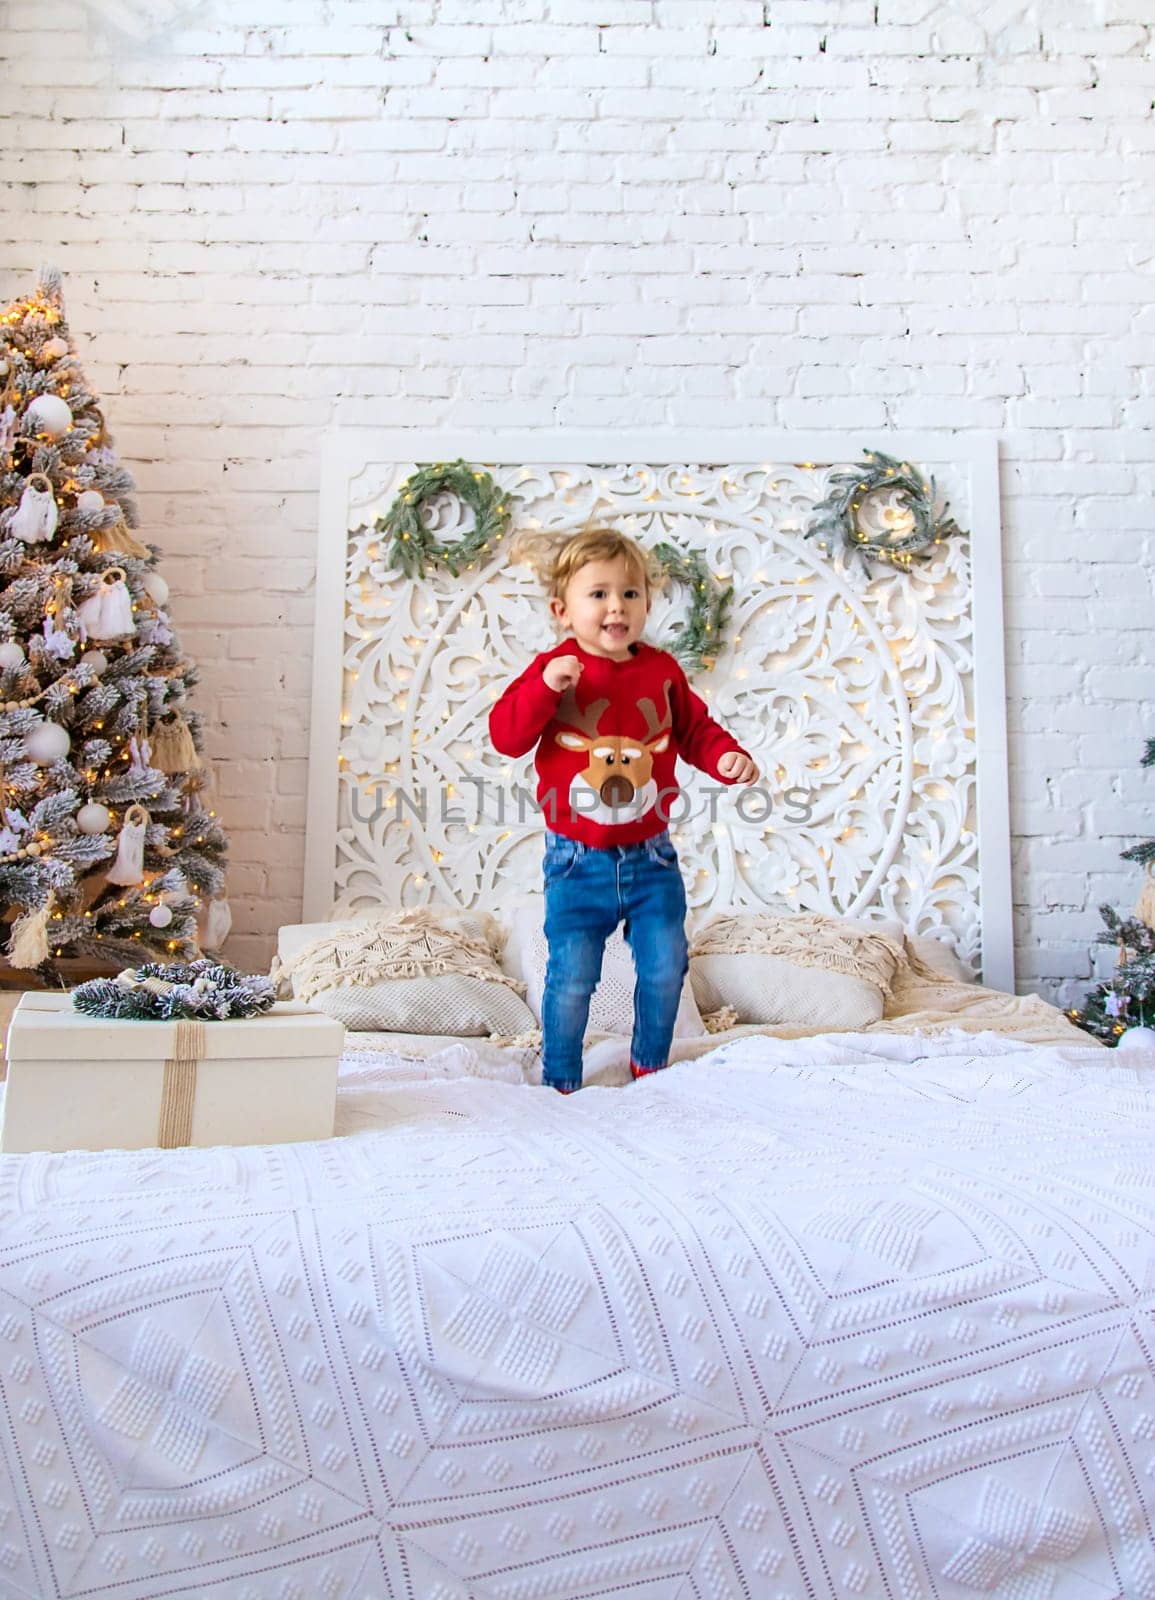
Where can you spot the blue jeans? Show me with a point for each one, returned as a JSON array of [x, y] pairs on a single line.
[[587, 893]]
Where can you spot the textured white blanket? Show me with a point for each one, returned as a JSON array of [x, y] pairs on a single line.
[[856, 1316]]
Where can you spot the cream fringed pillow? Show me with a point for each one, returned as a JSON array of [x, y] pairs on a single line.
[[421, 970], [806, 971]]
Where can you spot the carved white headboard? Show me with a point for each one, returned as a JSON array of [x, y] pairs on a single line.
[[872, 698]]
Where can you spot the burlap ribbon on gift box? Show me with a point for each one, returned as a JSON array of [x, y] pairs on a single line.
[[178, 1091]]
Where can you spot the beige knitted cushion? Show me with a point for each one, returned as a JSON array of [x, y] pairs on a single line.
[[807, 971], [450, 1004], [421, 970], [612, 1002]]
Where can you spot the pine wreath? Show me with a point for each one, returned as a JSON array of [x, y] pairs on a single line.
[[413, 547], [912, 525], [697, 642], [161, 991]]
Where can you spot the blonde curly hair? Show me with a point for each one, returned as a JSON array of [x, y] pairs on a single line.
[[557, 558]]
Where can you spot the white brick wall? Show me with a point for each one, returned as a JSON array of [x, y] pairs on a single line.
[[792, 214]]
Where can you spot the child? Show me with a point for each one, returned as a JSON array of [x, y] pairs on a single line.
[[609, 716]]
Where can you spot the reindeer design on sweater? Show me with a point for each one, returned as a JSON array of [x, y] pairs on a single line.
[[620, 769]]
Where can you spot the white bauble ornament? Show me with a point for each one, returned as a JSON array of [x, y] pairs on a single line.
[[90, 500], [49, 414], [160, 916], [96, 659], [156, 588], [53, 349], [93, 817], [1138, 1042], [35, 518], [11, 656], [47, 743]]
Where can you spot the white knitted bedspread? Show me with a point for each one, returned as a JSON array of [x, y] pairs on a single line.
[[858, 1316]]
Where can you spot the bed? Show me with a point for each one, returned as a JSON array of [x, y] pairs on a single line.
[[812, 1313], [853, 1316], [931, 993]]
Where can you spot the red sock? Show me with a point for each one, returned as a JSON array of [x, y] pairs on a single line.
[[643, 1072]]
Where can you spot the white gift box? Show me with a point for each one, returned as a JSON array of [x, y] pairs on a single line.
[[94, 1083]]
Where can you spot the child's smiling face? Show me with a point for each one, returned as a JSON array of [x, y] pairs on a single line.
[[604, 605]]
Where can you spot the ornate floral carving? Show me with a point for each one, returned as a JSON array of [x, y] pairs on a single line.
[[854, 693]]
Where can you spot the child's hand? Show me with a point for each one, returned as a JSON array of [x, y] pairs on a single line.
[[738, 768], [562, 672]]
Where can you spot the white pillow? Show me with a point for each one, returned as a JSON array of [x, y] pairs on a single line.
[[937, 953], [612, 1002], [295, 936], [771, 990], [450, 1003], [438, 1003], [803, 971]]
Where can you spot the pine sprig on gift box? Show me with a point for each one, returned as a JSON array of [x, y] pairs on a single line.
[[160, 991]]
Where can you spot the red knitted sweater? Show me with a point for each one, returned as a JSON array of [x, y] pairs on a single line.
[[606, 749]]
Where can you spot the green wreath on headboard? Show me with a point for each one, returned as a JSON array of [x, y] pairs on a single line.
[[413, 548], [900, 522]]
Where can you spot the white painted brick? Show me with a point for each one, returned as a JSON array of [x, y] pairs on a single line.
[[724, 14], [836, 136], [529, 40], [1070, 136], [655, 43], [717, 73], [442, 41], [1063, 890], [1114, 514], [465, 11], [1116, 39], [949, 137], [880, 41], [856, 174]]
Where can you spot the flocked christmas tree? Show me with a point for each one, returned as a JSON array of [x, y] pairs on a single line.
[[106, 849], [1126, 1000]]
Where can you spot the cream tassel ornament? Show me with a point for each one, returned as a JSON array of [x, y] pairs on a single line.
[[128, 868], [172, 744], [1145, 905], [117, 540], [28, 946]]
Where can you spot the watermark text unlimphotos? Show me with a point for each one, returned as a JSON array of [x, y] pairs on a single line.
[[513, 805]]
